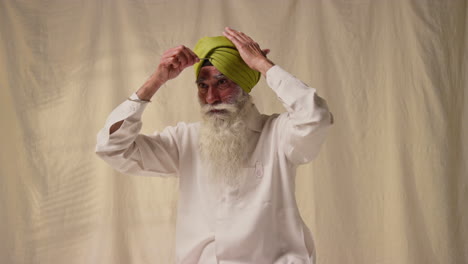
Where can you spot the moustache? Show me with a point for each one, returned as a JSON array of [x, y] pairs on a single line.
[[221, 108]]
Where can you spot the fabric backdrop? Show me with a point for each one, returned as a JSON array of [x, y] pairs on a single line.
[[389, 186]]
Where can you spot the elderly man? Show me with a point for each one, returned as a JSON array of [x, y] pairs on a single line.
[[236, 168]]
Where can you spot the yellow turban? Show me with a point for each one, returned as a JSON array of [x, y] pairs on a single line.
[[225, 57]]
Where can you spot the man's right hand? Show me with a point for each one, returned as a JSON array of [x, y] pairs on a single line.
[[172, 63]]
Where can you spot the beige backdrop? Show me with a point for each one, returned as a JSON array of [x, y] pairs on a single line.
[[389, 186]]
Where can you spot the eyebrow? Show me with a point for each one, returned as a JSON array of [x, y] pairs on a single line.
[[218, 76]]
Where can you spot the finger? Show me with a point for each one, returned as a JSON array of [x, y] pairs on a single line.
[[228, 29], [189, 56], [186, 56], [239, 35], [232, 34], [172, 62], [182, 58], [170, 56], [178, 52], [233, 39], [173, 51], [193, 55], [231, 31], [244, 36]]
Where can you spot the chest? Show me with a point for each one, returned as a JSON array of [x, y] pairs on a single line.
[[266, 178]]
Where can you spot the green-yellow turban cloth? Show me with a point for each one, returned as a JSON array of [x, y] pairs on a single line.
[[224, 56]]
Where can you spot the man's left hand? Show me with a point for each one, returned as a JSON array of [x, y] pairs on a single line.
[[249, 50]]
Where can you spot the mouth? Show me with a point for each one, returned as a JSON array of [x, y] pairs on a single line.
[[218, 111]]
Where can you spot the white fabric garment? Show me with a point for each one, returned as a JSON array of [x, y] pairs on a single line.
[[256, 223]]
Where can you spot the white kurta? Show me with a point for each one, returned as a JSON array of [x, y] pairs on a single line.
[[256, 223]]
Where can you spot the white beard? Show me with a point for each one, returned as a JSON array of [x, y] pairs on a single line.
[[223, 141]]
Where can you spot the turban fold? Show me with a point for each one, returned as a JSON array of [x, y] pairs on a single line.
[[224, 56]]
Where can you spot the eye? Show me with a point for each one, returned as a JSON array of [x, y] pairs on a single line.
[[223, 83], [202, 88]]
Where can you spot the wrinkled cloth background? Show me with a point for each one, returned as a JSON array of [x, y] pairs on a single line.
[[389, 186]]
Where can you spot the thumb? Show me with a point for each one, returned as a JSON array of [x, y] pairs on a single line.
[[266, 51]]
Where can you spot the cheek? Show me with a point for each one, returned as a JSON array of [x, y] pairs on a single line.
[[229, 94], [201, 97]]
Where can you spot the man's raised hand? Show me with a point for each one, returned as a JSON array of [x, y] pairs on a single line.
[[249, 50], [172, 63]]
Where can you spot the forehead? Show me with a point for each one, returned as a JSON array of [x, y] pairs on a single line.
[[208, 72]]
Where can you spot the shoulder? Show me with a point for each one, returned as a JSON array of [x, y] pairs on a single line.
[[182, 131], [276, 125], [187, 126], [271, 122], [273, 119]]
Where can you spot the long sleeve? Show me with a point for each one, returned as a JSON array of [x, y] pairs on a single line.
[[302, 129], [132, 153]]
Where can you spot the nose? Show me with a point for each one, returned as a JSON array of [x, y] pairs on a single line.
[[212, 95]]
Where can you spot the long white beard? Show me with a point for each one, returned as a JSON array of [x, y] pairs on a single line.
[[223, 141]]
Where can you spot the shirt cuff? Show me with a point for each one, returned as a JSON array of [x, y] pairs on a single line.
[[134, 97], [130, 111]]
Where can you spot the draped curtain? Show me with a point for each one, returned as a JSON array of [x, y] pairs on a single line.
[[389, 185]]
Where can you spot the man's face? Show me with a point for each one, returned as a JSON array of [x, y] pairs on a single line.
[[223, 132], [215, 88]]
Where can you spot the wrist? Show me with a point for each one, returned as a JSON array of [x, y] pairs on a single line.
[[264, 66], [149, 88]]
